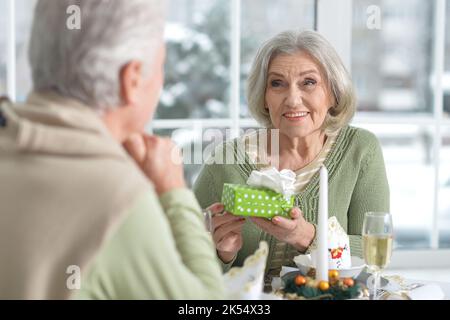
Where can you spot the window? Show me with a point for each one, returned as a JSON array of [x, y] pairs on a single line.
[[395, 70], [444, 204], [24, 15], [198, 60], [391, 66], [446, 80], [20, 74], [3, 47], [408, 156]]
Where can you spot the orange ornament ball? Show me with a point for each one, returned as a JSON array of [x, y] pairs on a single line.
[[333, 274], [349, 282], [300, 280], [324, 285]]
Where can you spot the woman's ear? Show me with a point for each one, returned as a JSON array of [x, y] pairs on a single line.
[[332, 110], [130, 82]]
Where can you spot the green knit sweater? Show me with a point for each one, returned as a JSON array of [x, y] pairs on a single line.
[[357, 184]]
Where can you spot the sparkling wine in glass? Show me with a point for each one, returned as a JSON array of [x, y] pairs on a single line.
[[377, 244]]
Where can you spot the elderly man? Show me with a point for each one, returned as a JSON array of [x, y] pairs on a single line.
[[80, 216]]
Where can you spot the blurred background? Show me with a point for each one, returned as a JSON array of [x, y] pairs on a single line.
[[401, 72]]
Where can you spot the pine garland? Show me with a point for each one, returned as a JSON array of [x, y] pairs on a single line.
[[337, 290]]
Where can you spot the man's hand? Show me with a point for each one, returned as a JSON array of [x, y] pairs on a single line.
[[159, 158]]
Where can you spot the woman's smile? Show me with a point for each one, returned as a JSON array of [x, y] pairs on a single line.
[[299, 116]]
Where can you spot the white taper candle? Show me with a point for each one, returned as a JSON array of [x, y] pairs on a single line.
[[322, 228]]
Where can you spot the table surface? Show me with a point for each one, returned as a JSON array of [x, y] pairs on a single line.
[[445, 286]]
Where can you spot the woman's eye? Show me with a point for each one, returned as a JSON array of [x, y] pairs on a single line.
[[276, 83], [309, 82]]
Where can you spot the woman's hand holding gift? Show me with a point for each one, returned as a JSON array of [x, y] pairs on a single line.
[[296, 231], [226, 232]]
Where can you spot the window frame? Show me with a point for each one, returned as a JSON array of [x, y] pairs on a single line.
[[340, 35]]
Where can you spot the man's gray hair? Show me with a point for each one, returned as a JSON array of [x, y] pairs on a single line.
[[311, 42], [85, 63]]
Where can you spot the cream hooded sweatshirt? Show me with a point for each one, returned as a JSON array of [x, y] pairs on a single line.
[[78, 219]]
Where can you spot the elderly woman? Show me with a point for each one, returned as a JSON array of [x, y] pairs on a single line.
[[298, 85]]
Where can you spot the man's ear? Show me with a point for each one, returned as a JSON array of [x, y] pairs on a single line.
[[130, 81]]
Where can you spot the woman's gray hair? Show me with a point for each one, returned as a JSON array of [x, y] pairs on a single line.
[[85, 63], [314, 44]]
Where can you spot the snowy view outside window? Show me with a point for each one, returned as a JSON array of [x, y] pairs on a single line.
[[394, 80], [198, 38], [3, 46], [391, 69], [444, 206], [198, 57]]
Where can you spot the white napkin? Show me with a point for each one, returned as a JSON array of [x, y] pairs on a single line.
[[398, 289], [278, 181], [339, 256], [247, 282], [426, 292]]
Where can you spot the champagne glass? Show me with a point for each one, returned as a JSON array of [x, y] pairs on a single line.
[[377, 242], [207, 214]]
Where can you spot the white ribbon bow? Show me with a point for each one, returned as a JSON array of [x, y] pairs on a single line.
[[278, 181]]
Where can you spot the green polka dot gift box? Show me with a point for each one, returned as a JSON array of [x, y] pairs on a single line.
[[242, 200]]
